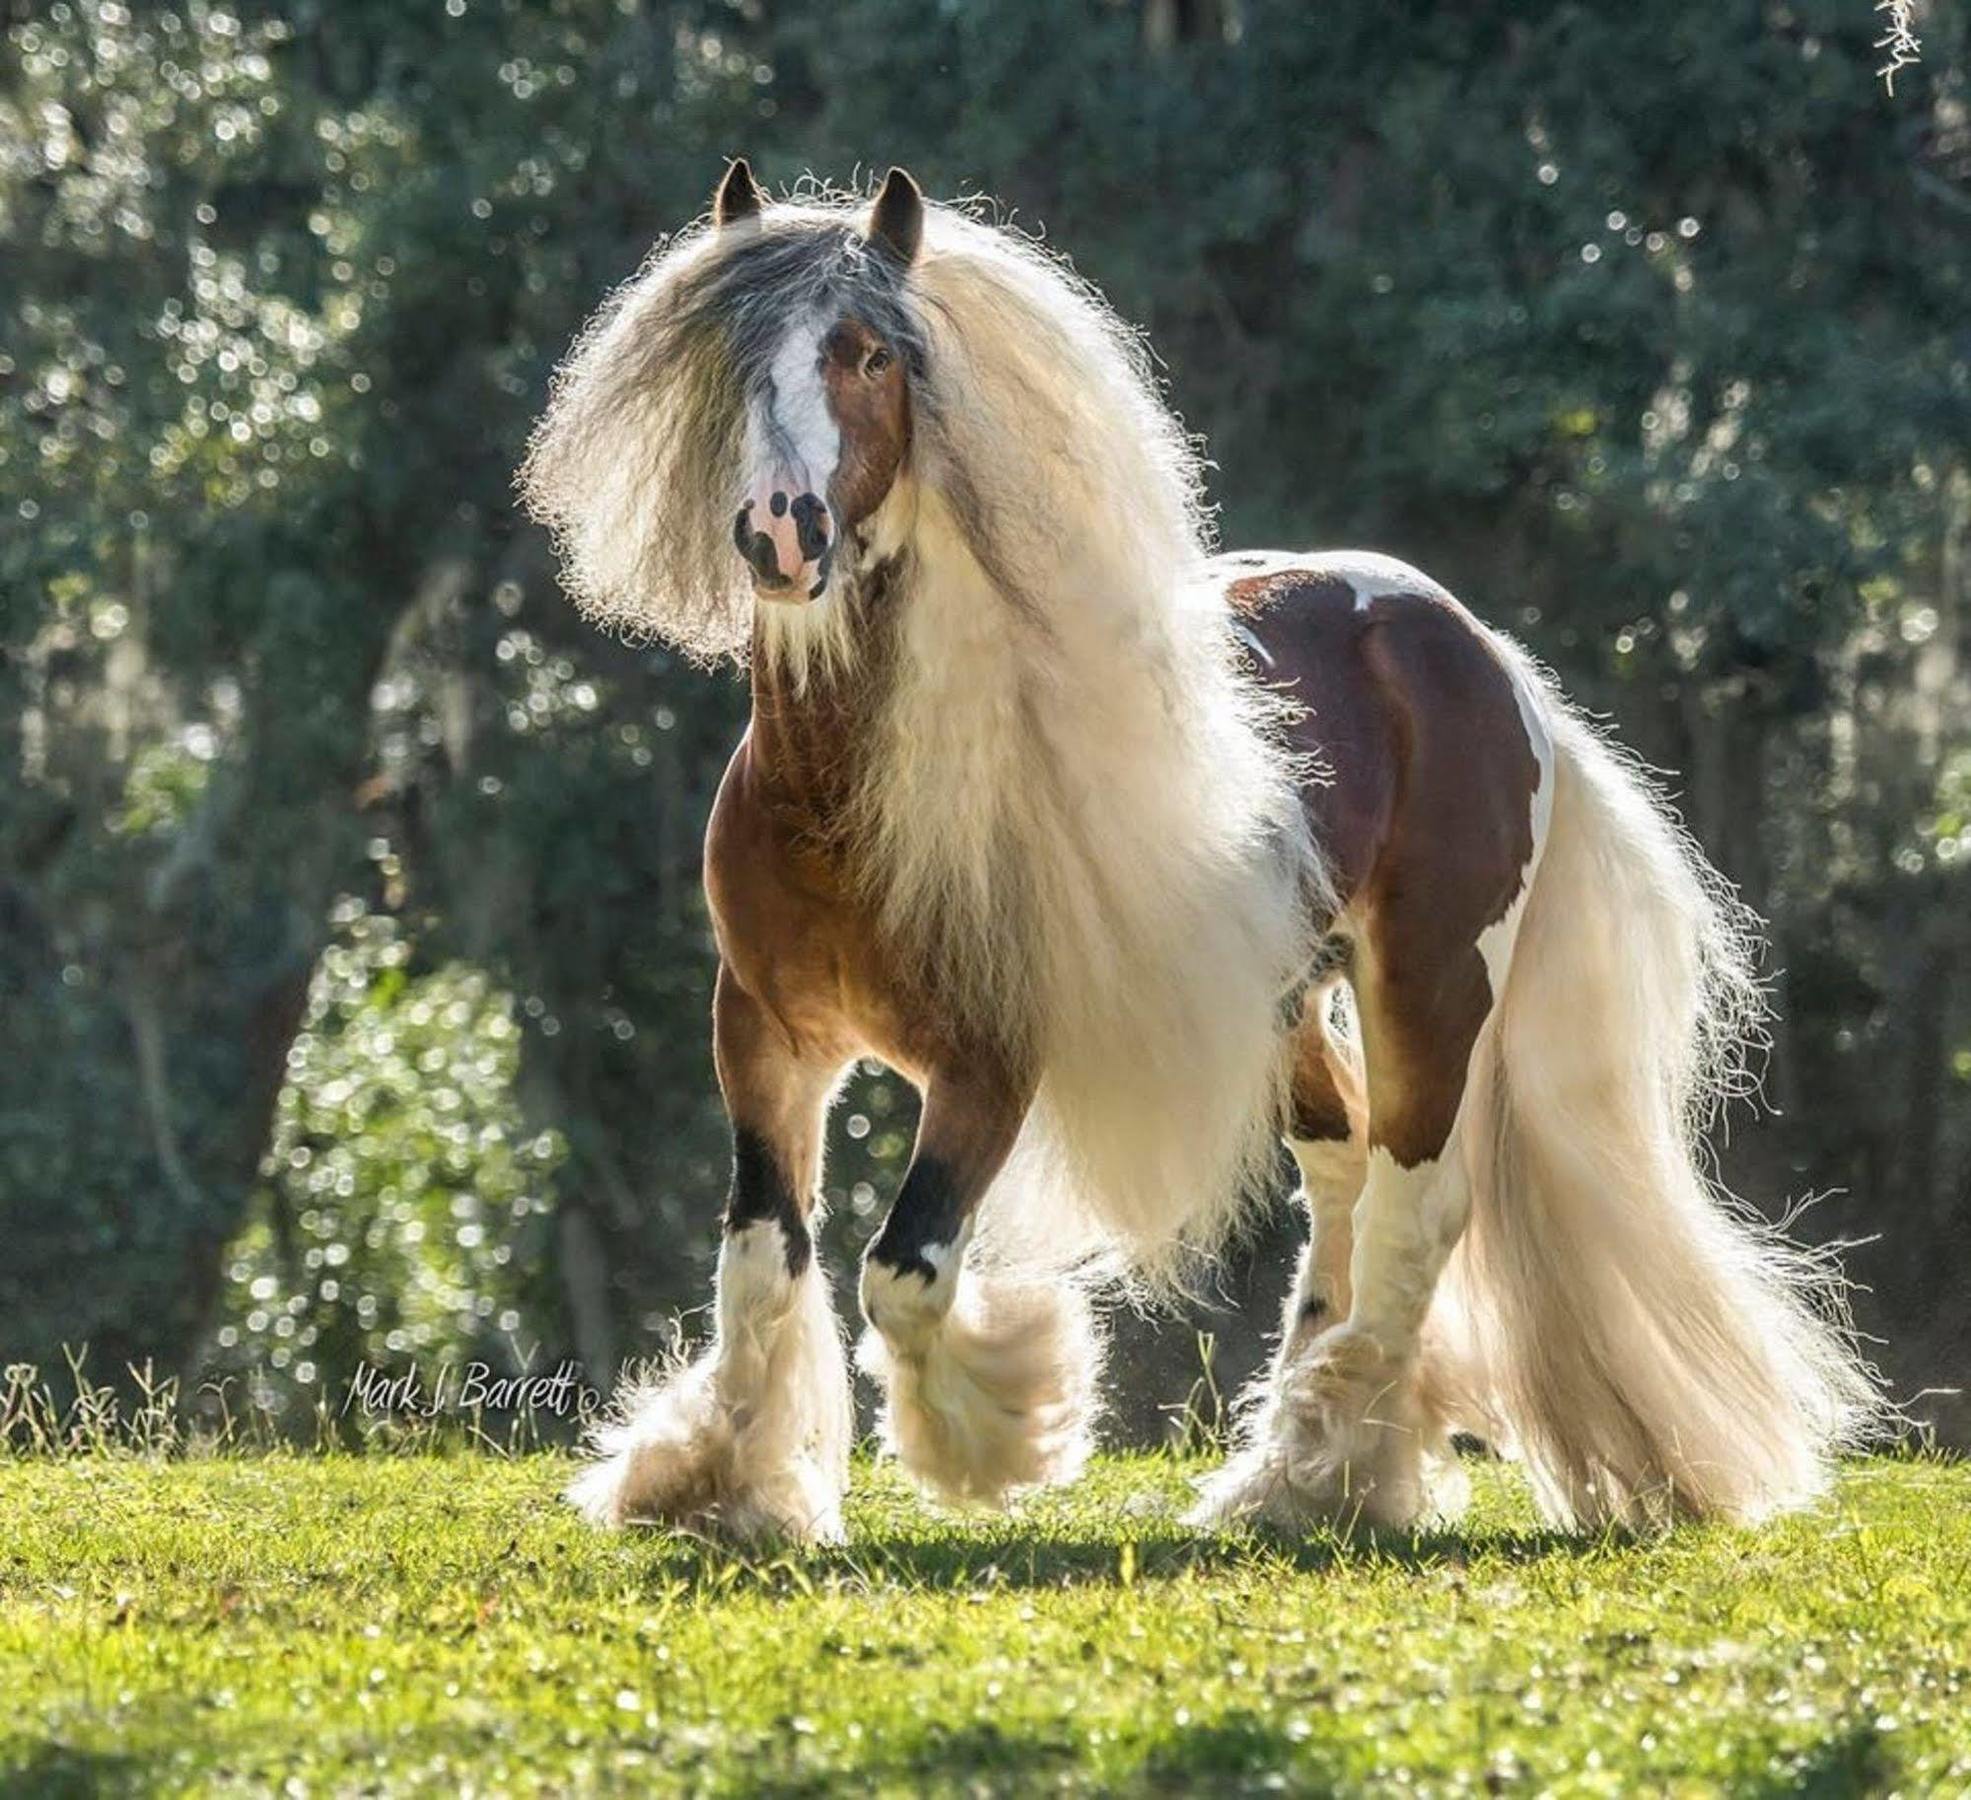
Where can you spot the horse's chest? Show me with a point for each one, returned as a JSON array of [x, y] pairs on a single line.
[[795, 923]]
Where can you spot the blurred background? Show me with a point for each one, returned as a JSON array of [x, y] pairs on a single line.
[[354, 972]]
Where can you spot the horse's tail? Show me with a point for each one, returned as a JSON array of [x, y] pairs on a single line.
[[1648, 1347]]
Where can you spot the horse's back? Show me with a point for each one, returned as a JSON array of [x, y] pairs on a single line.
[[1428, 747]]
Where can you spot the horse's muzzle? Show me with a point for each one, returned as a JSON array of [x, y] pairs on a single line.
[[787, 538]]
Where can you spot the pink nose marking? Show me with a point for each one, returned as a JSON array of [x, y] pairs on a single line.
[[786, 536]]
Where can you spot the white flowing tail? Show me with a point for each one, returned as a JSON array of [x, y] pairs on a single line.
[[1647, 1346]]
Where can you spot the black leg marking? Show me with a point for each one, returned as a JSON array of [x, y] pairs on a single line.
[[760, 1191], [929, 1211]]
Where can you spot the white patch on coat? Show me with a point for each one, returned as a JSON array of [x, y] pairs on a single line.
[[944, 1258], [1495, 942], [905, 1308], [751, 1440], [753, 1278], [998, 1395], [1328, 1166], [1407, 1223], [1340, 1432], [1369, 573], [1374, 576], [1331, 1175]]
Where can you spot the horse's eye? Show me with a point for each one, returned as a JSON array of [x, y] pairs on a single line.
[[877, 361]]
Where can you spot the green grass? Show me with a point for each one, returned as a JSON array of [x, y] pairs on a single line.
[[442, 1625]]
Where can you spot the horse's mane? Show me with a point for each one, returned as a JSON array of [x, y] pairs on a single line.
[[1036, 413], [1074, 483], [1075, 811]]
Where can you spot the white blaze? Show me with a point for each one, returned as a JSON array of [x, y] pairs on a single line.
[[799, 430]]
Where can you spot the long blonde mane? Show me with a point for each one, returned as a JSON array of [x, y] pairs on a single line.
[[1077, 820]]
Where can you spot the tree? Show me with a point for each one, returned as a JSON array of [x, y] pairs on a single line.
[[1642, 328]]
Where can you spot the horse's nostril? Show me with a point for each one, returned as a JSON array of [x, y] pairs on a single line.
[[811, 526], [756, 547]]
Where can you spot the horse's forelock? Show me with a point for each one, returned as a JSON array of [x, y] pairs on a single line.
[[636, 461], [786, 272]]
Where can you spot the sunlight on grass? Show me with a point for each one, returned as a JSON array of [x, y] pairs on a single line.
[[421, 1623]]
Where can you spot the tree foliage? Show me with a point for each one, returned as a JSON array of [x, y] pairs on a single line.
[[1643, 327]]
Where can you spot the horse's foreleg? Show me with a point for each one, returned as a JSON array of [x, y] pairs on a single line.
[[752, 1439], [988, 1378]]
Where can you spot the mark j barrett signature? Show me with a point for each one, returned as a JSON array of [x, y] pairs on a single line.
[[405, 1393]]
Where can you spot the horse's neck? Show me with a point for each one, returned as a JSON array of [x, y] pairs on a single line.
[[906, 703], [818, 704]]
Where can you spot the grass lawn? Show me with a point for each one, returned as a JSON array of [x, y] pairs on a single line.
[[442, 1625]]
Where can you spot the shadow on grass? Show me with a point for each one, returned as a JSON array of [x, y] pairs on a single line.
[[59, 1771], [1022, 1556], [1237, 1751], [1855, 1762], [1234, 1754], [978, 1757]]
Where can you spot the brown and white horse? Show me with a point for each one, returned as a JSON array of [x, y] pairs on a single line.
[[1134, 859]]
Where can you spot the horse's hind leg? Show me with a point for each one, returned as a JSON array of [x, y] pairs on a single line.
[[1328, 1135], [752, 1439], [1343, 1430]]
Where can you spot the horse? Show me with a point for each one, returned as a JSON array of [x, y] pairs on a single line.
[[1137, 860]]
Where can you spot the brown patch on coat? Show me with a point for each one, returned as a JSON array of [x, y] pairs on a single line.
[[1305, 621], [1253, 594], [1325, 1101], [1426, 820]]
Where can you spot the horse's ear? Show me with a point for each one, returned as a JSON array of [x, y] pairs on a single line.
[[739, 197], [897, 221]]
